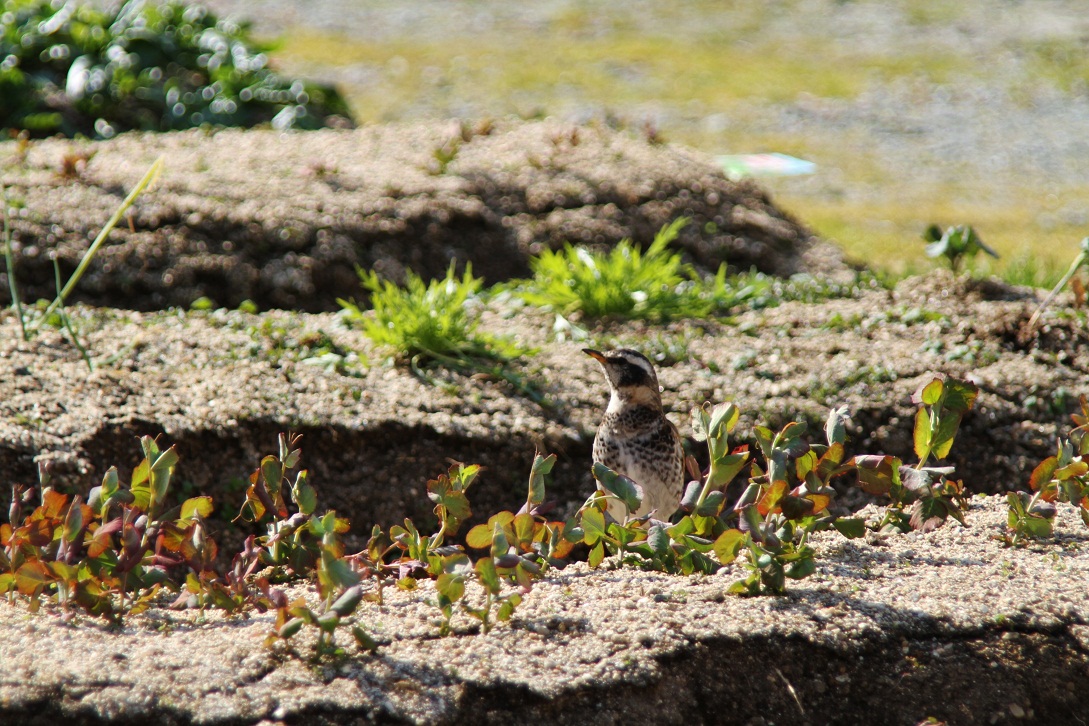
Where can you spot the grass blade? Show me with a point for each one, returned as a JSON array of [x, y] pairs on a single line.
[[68, 323], [10, 259], [151, 175]]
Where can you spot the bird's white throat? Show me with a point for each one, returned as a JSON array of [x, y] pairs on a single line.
[[628, 396]]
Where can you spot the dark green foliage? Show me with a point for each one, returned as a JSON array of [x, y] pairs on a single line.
[[73, 68]]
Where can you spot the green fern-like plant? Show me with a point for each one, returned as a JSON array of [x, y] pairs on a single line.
[[624, 282], [423, 319], [437, 322]]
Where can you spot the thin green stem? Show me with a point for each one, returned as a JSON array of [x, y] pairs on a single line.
[[1080, 261], [9, 256], [68, 323], [151, 175]]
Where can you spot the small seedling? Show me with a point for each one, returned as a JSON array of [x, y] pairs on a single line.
[[956, 244]]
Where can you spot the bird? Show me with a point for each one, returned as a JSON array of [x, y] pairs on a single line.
[[635, 438]]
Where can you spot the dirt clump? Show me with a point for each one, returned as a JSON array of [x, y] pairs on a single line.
[[284, 219]]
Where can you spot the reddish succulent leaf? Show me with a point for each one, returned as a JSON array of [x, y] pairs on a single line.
[[769, 502], [37, 533], [100, 542], [54, 503], [795, 507], [479, 537], [875, 473], [928, 514], [563, 546], [1043, 474], [820, 502], [32, 577]]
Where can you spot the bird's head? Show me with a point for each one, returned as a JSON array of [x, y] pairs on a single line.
[[631, 377]]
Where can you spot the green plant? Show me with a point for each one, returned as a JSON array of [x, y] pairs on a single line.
[[50, 314], [437, 322], [1063, 477], [627, 282], [1082, 260], [784, 505], [923, 497], [433, 320], [443, 155], [520, 547], [9, 260], [75, 68], [1030, 270], [112, 554], [956, 244]]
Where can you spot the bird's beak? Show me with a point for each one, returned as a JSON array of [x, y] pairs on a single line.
[[595, 354]]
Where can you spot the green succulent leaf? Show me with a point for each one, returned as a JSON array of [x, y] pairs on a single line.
[[291, 628], [623, 488], [835, 427], [593, 526], [506, 608], [801, 568], [364, 640], [542, 466], [304, 495], [479, 537], [597, 554], [451, 586], [851, 528], [658, 540], [346, 604], [712, 505], [202, 506], [729, 544]]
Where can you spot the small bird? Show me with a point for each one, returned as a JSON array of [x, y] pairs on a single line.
[[635, 438]]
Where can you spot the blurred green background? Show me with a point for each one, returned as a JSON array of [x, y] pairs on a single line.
[[915, 112]]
